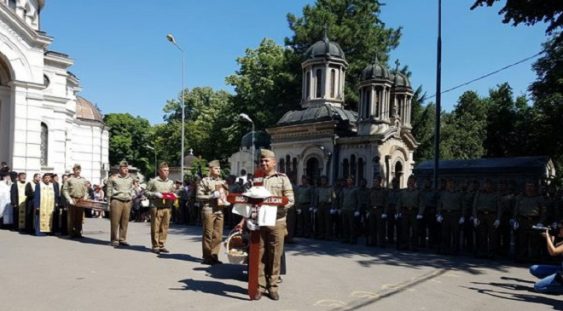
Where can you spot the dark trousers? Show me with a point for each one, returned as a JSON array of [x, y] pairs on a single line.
[[528, 242], [409, 238], [450, 232], [376, 228], [487, 235]]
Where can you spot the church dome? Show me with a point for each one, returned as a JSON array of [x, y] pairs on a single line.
[[324, 48], [401, 80], [375, 71], [86, 110], [318, 114]]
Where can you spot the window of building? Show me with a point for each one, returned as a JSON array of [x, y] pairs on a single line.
[[353, 168], [360, 168], [44, 144], [281, 165], [308, 84], [319, 78], [12, 4], [332, 83], [345, 168]]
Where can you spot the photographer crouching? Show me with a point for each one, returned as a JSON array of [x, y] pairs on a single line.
[[551, 276]]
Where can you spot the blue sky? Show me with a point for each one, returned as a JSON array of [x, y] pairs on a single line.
[[125, 64]]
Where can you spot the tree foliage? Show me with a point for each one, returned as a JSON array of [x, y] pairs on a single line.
[[264, 84], [129, 138], [529, 12], [465, 129]]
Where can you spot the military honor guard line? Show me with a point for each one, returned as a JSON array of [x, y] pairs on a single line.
[[460, 218]]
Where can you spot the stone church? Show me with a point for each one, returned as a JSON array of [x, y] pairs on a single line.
[[44, 125], [324, 138]]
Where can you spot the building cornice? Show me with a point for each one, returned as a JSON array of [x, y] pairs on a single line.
[[20, 28]]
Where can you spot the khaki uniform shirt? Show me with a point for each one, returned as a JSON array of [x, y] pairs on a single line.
[[450, 201], [279, 185], [486, 202], [529, 207], [378, 197], [75, 188], [304, 195], [205, 190], [157, 185], [120, 188], [324, 195], [409, 199], [349, 198]]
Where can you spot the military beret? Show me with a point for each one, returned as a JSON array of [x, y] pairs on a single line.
[[77, 166], [214, 163], [265, 153], [123, 163]]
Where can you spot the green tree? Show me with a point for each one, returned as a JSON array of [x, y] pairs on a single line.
[[465, 129], [355, 25], [547, 93], [209, 125], [505, 122], [529, 12], [265, 88], [423, 118], [129, 137]]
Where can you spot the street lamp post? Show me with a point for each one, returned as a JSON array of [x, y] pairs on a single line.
[[155, 162], [172, 40], [245, 117]]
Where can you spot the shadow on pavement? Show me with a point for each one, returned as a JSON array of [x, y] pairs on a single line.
[[225, 271], [393, 257], [178, 256], [213, 287], [531, 297]]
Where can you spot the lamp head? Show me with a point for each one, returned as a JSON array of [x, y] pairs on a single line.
[[171, 38], [245, 117]]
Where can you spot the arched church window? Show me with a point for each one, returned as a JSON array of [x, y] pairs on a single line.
[[319, 79], [281, 165], [44, 144], [332, 83], [308, 84], [367, 102], [399, 171], [345, 168], [287, 165], [360, 168], [353, 168], [46, 81], [12, 4], [294, 172]]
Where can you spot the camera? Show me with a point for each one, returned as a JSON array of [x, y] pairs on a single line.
[[550, 230]]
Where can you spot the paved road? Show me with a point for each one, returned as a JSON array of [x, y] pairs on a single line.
[[53, 273]]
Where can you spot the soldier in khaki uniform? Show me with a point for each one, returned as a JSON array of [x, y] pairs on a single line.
[[272, 238], [75, 189], [159, 208], [119, 195], [323, 197], [529, 210], [428, 226], [486, 219], [450, 212], [209, 194], [348, 207], [410, 212], [376, 215], [391, 211], [506, 205], [303, 202]]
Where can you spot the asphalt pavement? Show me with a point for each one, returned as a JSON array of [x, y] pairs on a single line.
[[56, 273]]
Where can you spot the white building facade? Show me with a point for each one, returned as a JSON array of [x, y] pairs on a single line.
[[44, 125], [324, 138]]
